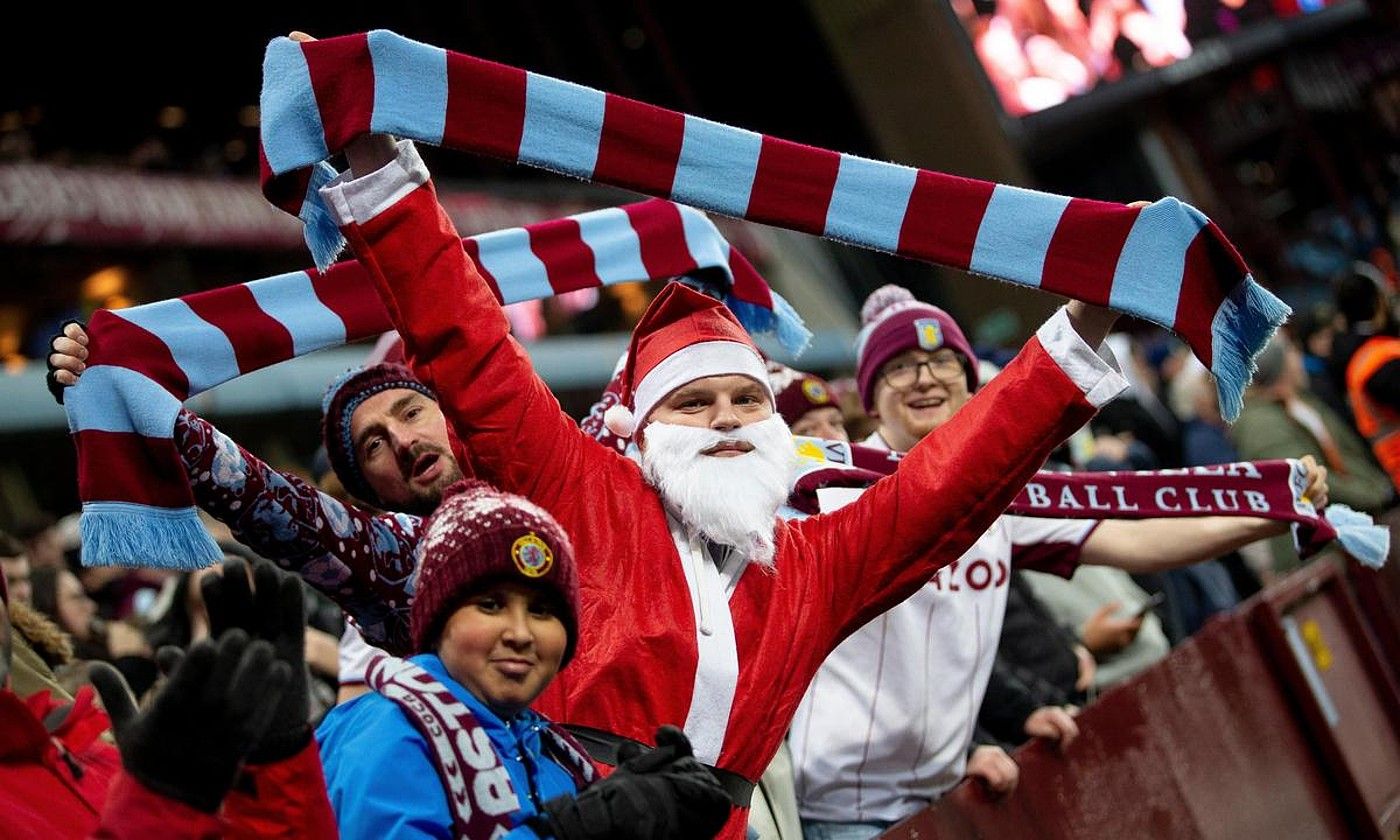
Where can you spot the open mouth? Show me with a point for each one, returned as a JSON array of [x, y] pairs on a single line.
[[426, 467], [728, 448]]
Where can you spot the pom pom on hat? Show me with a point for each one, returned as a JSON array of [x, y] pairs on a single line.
[[882, 299], [620, 421]]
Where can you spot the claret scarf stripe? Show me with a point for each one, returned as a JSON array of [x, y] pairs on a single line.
[[1268, 489], [1166, 263], [145, 361]]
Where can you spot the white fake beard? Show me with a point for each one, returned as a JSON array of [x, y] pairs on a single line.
[[728, 500]]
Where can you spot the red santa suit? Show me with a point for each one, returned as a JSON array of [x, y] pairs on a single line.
[[666, 634]]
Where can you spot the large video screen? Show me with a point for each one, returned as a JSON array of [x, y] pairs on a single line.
[[1041, 53]]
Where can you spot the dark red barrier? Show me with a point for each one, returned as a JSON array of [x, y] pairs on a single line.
[[1225, 738], [1346, 695], [1378, 595]]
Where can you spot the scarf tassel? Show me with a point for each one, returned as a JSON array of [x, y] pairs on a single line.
[[323, 237], [1368, 542], [1242, 326], [782, 322]]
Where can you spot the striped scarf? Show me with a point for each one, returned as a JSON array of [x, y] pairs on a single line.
[[1166, 262], [137, 506], [1268, 489]]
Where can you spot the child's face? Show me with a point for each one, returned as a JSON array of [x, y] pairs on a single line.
[[505, 644]]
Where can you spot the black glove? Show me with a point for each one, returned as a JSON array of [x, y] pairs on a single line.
[[275, 611], [217, 704], [661, 793]]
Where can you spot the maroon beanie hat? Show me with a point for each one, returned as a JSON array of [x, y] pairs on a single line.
[[892, 321], [797, 392], [480, 534], [343, 396]]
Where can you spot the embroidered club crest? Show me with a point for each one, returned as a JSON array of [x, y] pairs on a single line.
[[814, 392], [930, 334], [532, 556]]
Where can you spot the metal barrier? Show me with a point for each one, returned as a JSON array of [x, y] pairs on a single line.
[[1281, 719]]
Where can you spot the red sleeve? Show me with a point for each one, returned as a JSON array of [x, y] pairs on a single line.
[[135, 812], [283, 799], [457, 339], [947, 492]]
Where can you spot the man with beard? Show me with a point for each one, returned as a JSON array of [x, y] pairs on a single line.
[[387, 442], [697, 605], [887, 722]]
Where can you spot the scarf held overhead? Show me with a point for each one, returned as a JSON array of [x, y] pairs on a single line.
[[143, 362], [1166, 262], [1266, 489]]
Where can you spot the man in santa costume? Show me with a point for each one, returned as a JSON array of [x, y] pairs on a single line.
[[698, 605], [888, 722]]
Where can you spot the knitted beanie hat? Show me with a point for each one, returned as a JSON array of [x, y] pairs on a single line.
[[343, 396], [480, 534], [892, 321], [683, 336], [797, 392]]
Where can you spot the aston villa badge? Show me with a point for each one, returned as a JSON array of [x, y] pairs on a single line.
[[532, 556], [930, 334]]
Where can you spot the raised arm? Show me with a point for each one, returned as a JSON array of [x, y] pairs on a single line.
[[953, 485], [362, 561], [455, 334]]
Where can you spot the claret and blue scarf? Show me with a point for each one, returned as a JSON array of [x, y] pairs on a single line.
[[1166, 262], [1266, 489], [138, 509]]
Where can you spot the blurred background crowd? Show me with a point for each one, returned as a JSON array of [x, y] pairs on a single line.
[[126, 179]]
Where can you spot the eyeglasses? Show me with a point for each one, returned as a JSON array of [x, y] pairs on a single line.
[[943, 367]]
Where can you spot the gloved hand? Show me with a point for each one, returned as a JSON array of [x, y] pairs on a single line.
[[273, 610], [68, 348], [218, 702], [661, 793]]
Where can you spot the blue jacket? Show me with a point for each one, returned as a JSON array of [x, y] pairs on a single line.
[[382, 779]]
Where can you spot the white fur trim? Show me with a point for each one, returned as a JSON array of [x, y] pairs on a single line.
[[620, 420], [697, 361]]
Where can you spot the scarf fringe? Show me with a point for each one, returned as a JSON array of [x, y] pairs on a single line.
[[323, 237], [1245, 322], [782, 322], [141, 536], [1364, 540]]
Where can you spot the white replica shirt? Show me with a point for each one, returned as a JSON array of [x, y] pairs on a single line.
[[884, 727], [355, 654]]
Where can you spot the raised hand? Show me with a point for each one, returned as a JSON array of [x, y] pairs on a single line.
[[219, 701], [267, 604], [67, 358]]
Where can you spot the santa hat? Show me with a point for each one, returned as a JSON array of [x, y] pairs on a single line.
[[481, 535], [342, 397], [797, 392], [683, 336], [893, 321]]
